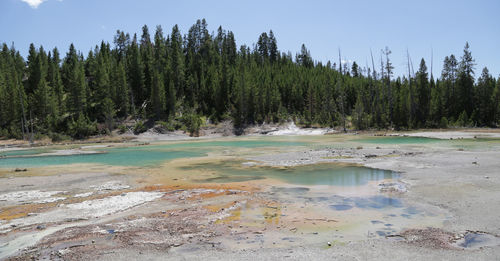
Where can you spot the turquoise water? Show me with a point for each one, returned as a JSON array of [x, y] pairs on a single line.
[[149, 155], [116, 157], [262, 142], [398, 140], [320, 174], [480, 143]]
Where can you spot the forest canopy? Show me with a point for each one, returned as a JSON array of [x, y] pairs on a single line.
[[181, 80]]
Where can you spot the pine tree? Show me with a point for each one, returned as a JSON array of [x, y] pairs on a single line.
[[273, 48], [122, 93], [148, 63], [157, 97], [177, 71], [135, 75], [465, 82], [55, 81], [423, 94], [484, 104]]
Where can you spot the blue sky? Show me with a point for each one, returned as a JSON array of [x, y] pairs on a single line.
[[324, 26]]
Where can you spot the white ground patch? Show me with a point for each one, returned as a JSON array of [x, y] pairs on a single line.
[[85, 210], [49, 200], [110, 185], [94, 146], [83, 195], [292, 129], [105, 206], [67, 152], [31, 196]]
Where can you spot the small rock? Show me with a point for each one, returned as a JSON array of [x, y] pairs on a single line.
[[329, 243], [486, 177], [41, 227]]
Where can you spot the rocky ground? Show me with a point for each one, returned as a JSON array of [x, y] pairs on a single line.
[[104, 216]]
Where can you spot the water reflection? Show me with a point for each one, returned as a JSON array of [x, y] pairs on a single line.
[[319, 174]]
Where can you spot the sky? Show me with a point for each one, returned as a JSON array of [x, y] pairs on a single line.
[[437, 27]]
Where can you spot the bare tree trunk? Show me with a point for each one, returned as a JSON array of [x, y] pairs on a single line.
[[373, 66], [412, 105]]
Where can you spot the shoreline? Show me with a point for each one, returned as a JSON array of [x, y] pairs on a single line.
[[257, 130]]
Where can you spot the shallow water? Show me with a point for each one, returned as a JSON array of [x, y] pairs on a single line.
[[299, 198], [476, 240], [119, 157], [149, 155], [398, 140], [319, 174]]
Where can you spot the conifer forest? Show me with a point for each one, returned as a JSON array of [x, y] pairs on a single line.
[[185, 80]]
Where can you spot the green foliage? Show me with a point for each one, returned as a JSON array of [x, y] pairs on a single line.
[[179, 80], [58, 137], [463, 120], [168, 126], [122, 129], [443, 123], [139, 127], [193, 123], [82, 127]]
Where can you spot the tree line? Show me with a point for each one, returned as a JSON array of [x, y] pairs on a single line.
[[180, 81]]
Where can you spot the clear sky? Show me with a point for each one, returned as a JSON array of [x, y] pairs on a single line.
[[323, 26]]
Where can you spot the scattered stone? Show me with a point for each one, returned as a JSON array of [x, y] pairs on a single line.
[[429, 237], [397, 187], [41, 227], [20, 170]]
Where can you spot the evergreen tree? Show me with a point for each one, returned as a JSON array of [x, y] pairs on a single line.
[[157, 97], [121, 88], [484, 104], [180, 79], [465, 82], [423, 94]]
